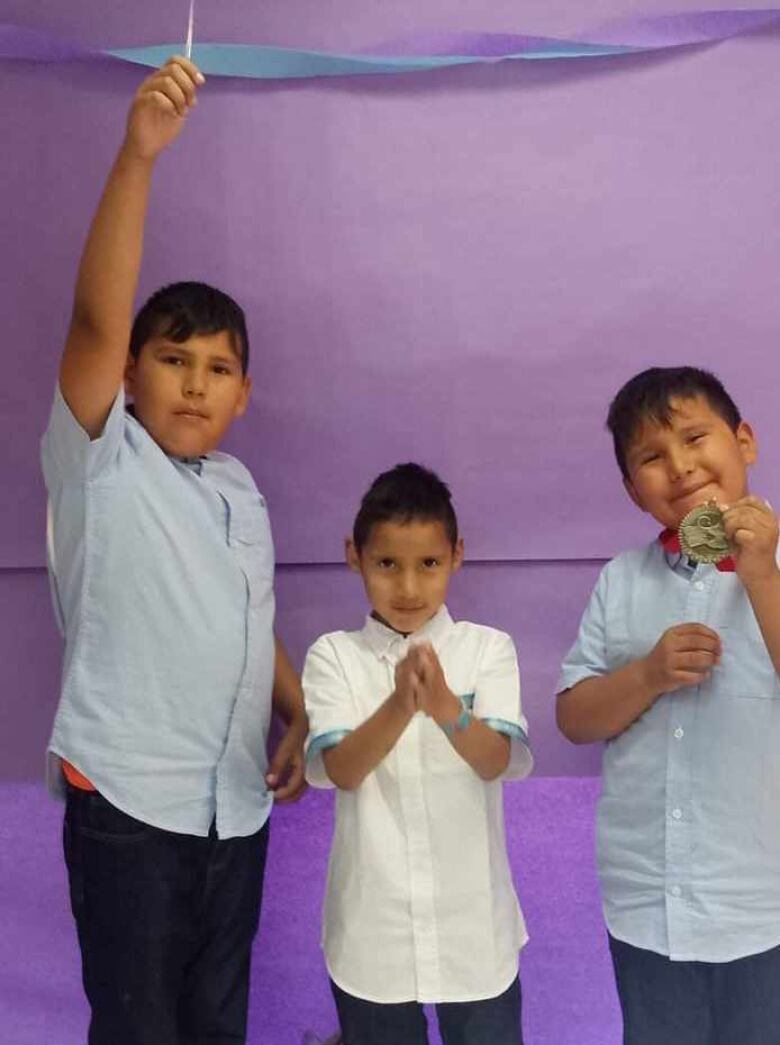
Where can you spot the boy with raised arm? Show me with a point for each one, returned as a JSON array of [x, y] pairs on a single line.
[[162, 569]]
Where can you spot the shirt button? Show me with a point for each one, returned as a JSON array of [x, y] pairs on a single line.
[[675, 890], [679, 733], [698, 585], [677, 814]]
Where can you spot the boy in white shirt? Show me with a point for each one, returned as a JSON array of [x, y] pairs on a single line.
[[416, 719]]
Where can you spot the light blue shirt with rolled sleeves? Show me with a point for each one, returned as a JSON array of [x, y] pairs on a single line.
[[162, 576], [688, 827]]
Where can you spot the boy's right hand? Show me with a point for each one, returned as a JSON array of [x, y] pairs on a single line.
[[160, 107], [407, 684], [683, 656]]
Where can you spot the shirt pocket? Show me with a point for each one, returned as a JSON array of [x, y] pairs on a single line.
[[632, 632], [745, 668], [250, 539]]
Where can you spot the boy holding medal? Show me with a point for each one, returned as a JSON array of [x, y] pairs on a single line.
[[676, 668]]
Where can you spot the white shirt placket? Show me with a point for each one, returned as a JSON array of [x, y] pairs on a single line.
[[420, 855]]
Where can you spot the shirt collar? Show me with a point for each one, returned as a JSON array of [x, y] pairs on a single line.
[[195, 464], [388, 644]]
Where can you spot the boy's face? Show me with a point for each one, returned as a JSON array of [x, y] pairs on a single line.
[[406, 569], [697, 458], [187, 394]]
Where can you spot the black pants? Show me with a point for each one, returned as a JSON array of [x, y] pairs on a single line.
[[165, 924], [495, 1021], [697, 1003]]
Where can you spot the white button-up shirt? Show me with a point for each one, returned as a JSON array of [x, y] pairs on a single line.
[[420, 903], [688, 829], [162, 573]]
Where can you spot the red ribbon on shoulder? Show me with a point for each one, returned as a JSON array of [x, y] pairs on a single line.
[[670, 542]]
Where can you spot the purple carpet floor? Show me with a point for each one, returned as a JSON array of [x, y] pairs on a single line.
[[568, 994]]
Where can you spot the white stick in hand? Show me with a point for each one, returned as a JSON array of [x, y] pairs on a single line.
[[190, 26]]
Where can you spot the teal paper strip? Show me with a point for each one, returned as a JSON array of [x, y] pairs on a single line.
[[281, 63]]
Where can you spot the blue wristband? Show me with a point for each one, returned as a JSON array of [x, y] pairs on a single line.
[[461, 722]]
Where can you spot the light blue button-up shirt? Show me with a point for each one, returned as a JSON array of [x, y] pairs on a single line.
[[162, 575], [688, 828]]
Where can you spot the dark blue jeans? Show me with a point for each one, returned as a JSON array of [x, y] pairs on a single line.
[[697, 1003], [165, 924], [495, 1021]]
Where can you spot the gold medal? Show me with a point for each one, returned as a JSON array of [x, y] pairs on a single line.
[[702, 534]]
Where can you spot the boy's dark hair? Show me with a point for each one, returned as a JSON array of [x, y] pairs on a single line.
[[405, 493], [648, 395], [181, 310]]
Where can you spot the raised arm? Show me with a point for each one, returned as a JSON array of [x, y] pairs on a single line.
[[96, 347]]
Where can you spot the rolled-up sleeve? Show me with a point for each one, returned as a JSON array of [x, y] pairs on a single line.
[[498, 704], [331, 710], [588, 656], [67, 452]]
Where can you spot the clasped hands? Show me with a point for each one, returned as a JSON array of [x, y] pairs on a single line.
[[420, 685]]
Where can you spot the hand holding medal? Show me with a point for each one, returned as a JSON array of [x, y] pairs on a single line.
[[751, 528], [747, 530]]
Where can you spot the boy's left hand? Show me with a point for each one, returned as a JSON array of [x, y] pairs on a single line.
[[435, 697], [752, 529], [286, 773]]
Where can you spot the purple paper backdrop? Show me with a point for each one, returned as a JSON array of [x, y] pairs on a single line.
[[459, 267]]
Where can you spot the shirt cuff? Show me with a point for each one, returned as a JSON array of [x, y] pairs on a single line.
[[316, 773], [521, 760], [569, 677]]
